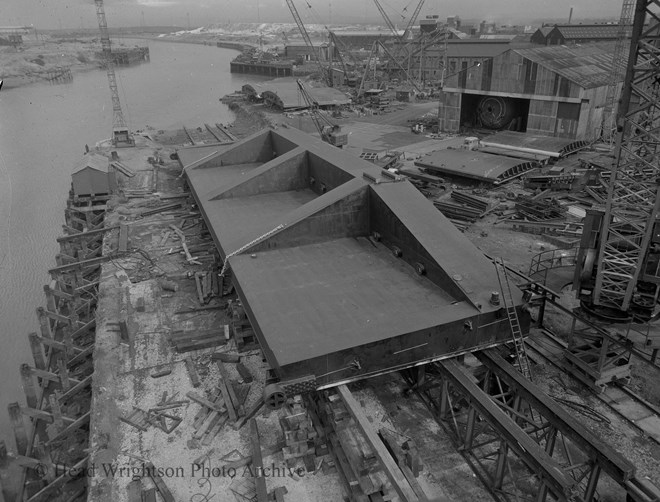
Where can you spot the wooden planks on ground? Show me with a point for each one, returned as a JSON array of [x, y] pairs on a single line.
[[123, 238], [258, 462], [186, 341]]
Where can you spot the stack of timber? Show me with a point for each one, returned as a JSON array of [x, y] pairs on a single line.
[[536, 210], [458, 212], [361, 472], [470, 200], [207, 284], [303, 440], [241, 329]]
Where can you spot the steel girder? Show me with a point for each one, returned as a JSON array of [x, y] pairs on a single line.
[[618, 68], [632, 204], [519, 441], [118, 121]]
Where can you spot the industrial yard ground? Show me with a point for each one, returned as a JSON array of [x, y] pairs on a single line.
[[155, 291], [160, 286]]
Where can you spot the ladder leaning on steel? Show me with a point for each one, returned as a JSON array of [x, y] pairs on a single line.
[[512, 314]]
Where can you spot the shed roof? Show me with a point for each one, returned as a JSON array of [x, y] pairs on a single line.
[[93, 160], [548, 145], [471, 48], [498, 36], [586, 31], [366, 33], [287, 92], [459, 34], [588, 65], [545, 30], [475, 165]]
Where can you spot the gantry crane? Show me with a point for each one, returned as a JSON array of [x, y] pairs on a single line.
[[121, 136], [329, 131], [325, 75], [618, 264]]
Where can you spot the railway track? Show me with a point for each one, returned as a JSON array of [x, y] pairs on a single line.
[[633, 408]]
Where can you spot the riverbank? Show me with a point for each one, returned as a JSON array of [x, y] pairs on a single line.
[[51, 60], [35, 61]]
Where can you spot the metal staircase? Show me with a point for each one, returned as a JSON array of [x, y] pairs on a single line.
[[512, 314]]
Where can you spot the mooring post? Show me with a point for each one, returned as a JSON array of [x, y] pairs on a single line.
[[44, 323], [18, 425], [51, 303], [38, 353], [64, 374], [29, 388], [56, 411], [7, 486]]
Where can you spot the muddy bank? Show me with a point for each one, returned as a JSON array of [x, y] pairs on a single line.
[[49, 59], [37, 61]]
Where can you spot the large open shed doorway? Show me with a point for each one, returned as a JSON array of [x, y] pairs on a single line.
[[494, 112]]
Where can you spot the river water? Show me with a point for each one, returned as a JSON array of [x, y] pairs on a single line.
[[43, 132]]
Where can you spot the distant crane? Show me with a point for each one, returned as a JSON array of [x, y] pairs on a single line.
[[387, 19], [412, 19], [325, 75], [121, 136], [329, 131]]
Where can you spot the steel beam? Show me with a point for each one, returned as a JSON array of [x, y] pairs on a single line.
[[620, 469], [531, 453]]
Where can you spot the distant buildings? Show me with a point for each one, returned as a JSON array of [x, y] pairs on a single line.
[[556, 91], [567, 34]]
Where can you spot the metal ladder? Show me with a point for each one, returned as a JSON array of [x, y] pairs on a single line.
[[512, 314]]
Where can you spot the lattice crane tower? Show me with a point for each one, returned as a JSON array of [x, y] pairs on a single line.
[[628, 254], [618, 269], [121, 135]]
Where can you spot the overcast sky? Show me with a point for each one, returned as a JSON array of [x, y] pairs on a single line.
[[77, 13]]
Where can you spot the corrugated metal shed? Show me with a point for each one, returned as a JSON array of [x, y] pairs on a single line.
[[92, 176], [476, 165], [588, 65]]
